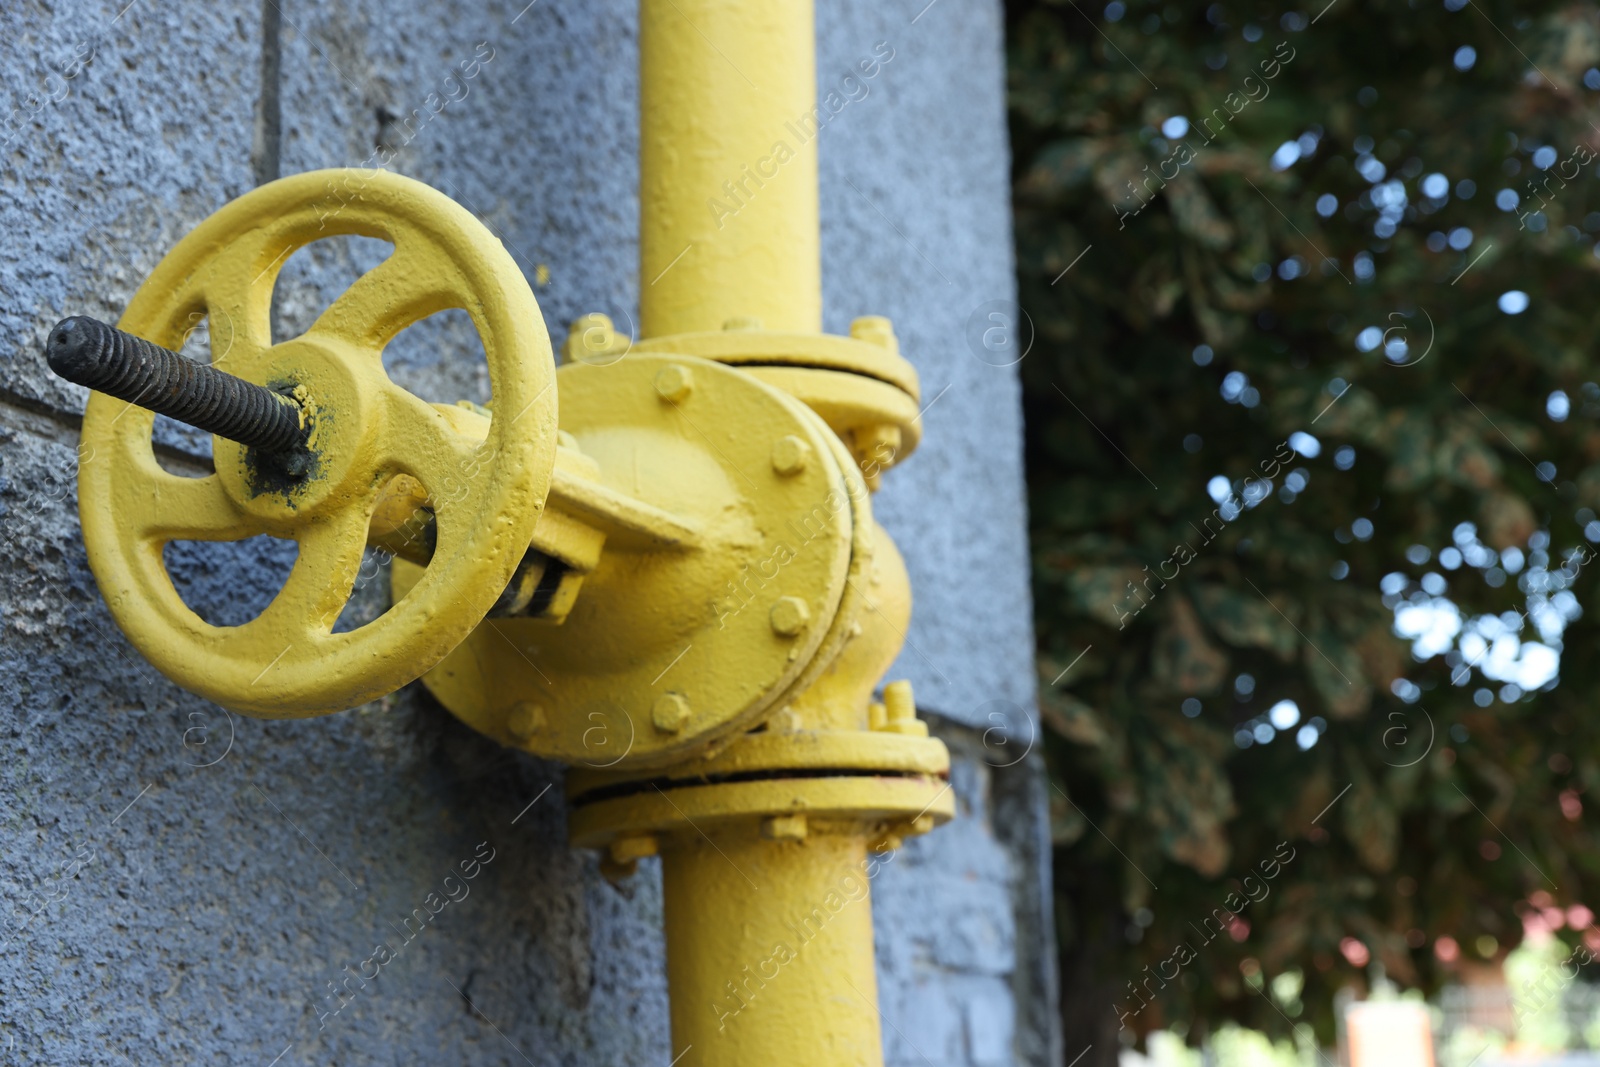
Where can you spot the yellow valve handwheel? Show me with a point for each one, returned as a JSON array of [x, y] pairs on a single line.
[[485, 494]]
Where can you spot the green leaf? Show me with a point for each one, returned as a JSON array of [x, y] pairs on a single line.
[[1336, 673], [1246, 620], [1183, 660]]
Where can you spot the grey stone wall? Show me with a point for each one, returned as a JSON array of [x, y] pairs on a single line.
[[181, 885]]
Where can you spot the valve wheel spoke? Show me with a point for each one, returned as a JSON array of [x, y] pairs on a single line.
[[170, 507], [413, 283], [323, 576], [422, 443], [236, 289]]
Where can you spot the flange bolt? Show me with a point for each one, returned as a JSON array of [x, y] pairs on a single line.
[[102, 357]]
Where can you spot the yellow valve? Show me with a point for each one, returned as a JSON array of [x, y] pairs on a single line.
[[688, 597], [485, 494], [678, 640]]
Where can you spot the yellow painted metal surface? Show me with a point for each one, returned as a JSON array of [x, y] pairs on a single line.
[[728, 223], [889, 780], [862, 387], [697, 616], [865, 806], [765, 957], [873, 353], [485, 495], [776, 750], [853, 406], [841, 697]]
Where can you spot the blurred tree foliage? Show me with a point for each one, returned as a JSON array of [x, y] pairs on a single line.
[[1294, 221]]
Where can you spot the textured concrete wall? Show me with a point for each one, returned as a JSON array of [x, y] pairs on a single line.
[[180, 885]]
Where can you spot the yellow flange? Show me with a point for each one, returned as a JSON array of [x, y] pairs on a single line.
[[485, 495], [671, 647], [879, 784], [862, 387], [830, 758], [870, 805], [872, 351], [768, 753]]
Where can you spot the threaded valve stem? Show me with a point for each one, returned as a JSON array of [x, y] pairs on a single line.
[[102, 357]]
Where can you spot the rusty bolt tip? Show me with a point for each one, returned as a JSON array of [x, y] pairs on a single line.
[[789, 615], [104, 358], [674, 382], [790, 455]]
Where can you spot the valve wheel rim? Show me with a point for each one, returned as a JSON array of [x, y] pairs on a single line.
[[486, 495]]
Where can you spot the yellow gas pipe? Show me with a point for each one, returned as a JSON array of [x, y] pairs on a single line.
[[766, 862], [717, 83]]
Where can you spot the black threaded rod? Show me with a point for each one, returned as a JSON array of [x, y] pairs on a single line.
[[102, 357]]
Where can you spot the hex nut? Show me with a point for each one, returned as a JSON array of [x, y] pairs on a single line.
[[877, 716], [588, 335], [615, 872], [878, 443], [787, 721], [594, 340], [790, 455], [630, 848], [674, 382], [525, 719], [875, 329], [875, 447], [670, 713], [789, 616], [784, 827]]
